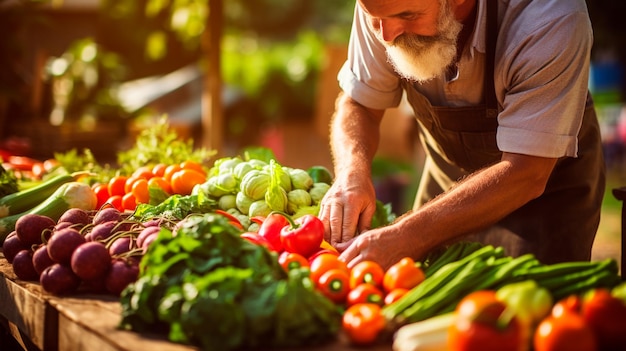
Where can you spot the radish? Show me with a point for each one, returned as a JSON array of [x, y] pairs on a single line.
[[23, 265], [122, 273], [30, 227], [103, 231], [75, 216], [145, 233], [12, 245], [91, 261], [59, 279], [146, 243], [41, 259], [106, 215], [62, 244], [121, 245]]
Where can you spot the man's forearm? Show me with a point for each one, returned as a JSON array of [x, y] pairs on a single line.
[[480, 200], [354, 135]]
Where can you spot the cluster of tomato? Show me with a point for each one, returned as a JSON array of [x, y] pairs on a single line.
[[27, 167], [124, 192], [593, 321], [363, 289]]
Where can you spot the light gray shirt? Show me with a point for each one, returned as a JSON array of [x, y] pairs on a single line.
[[541, 73]]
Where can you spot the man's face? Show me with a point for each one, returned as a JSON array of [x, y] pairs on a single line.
[[415, 55]]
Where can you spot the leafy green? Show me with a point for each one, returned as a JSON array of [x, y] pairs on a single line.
[[8, 182], [383, 216], [175, 207], [206, 286], [160, 144]]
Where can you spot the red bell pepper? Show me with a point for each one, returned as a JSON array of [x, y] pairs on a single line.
[[255, 239], [303, 236], [271, 227]]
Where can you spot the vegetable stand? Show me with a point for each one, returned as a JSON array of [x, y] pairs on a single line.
[[40, 321]]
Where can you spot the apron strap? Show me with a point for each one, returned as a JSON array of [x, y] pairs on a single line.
[[491, 101]]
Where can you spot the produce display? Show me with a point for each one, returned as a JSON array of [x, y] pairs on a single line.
[[231, 254]]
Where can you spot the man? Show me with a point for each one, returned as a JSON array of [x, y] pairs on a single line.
[[499, 91]]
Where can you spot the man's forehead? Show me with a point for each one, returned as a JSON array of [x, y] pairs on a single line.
[[390, 8]]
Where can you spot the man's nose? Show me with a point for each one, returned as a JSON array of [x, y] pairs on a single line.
[[390, 29]]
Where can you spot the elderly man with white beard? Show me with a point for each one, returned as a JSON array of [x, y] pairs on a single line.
[[499, 89]]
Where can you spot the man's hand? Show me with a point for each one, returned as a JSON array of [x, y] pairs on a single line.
[[348, 207]]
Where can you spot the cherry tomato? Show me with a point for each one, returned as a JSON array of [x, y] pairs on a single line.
[[159, 169], [478, 325], [183, 181], [116, 185], [160, 182], [144, 172], [170, 170], [115, 201], [292, 260], [394, 295], [366, 272], [403, 274], [102, 193], [606, 316], [139, 189], [362, 323], [364, 293], [193, 166], [334, 284], [129, 202], [38, 170], [567, 331], [324, 262]]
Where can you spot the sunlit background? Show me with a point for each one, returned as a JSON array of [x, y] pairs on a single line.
[[230, 74]]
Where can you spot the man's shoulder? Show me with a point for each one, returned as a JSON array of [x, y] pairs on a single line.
[[532, 13]]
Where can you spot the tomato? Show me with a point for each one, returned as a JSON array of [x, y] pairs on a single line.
[[364, 293], [116, 185], [102, 193], [366, 272], [403, 274], [478, 325], [183, 181], [170, 170], [193, 166], [291, 260], [567, 331], [606, 316], [38, 170], [115, 201], [571, 304], [144, 172], [23, 163], [324, 262], [160, 182], [129, 202], [334, 284], [394, 295], [159, 169], [139, 189], [50, 164], [362, 323]]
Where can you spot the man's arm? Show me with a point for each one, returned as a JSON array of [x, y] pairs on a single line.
[[349, 205], [475, 203]]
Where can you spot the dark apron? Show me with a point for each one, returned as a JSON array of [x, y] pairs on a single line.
[[558, 226]]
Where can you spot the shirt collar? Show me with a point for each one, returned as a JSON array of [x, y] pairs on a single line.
[[477, 41]]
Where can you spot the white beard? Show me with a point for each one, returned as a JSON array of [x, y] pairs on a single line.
[[418, 58]]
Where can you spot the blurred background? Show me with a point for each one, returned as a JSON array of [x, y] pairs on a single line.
[[231, 74]]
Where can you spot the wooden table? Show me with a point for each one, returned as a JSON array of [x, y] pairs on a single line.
[[40, 321]]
